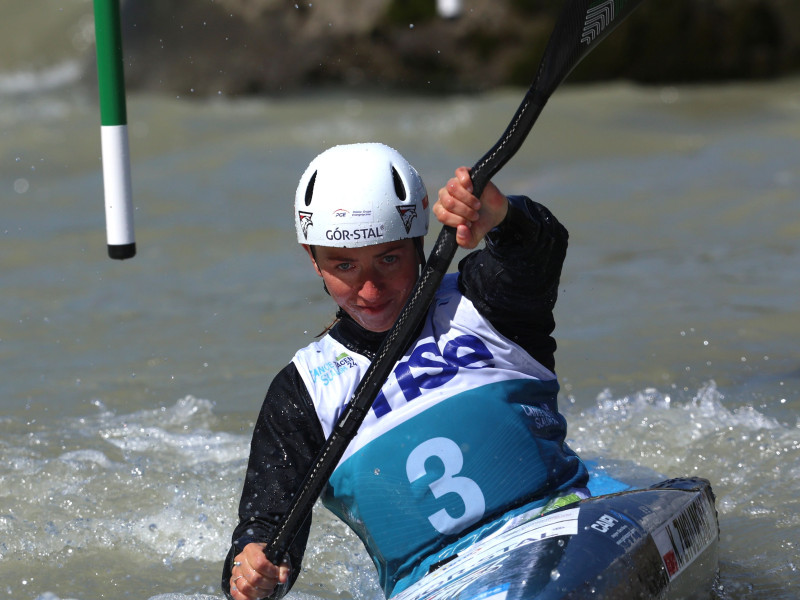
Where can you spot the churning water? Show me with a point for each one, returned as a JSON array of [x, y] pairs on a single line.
[[129, 390]]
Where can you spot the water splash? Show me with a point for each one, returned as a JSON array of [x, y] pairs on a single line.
[[750, 458], [159, 481]]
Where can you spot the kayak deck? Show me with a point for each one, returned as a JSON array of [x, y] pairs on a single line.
[[658, 543]]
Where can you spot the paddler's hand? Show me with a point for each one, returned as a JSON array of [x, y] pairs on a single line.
[[472, 218], [253, 575]]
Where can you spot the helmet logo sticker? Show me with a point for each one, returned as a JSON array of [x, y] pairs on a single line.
[[356, 195], [407, 214], [305, 221]]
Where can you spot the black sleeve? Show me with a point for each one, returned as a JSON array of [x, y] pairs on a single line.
[[286, 440], [513, 281]]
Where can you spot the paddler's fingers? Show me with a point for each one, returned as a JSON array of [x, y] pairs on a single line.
[[462, 174], [253, 575], [472, 218], [456, 204], [253, 588], [242, 590]]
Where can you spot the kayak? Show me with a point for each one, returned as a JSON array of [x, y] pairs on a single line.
[[659, 542]]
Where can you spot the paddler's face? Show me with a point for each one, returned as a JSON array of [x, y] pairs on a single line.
[[371, 283]]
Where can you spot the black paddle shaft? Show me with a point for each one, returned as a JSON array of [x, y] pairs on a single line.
[[581, 26]]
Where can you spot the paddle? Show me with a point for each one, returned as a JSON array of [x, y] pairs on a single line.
[[580, 27], [114, 131]]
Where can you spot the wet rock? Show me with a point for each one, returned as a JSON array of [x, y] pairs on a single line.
[[239, 47]]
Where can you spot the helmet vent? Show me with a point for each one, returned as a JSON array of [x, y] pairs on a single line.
[[399, 188], [310, 188]]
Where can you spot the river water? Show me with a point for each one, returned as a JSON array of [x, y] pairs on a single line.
[[129, 389]]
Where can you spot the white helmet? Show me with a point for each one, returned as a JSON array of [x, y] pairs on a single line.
[[359, 195]]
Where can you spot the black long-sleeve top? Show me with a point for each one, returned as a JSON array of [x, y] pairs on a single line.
[[513, 282]]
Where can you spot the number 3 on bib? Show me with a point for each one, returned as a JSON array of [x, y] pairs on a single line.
[[448, 452]]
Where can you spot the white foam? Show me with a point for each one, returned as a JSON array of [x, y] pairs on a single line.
[[748, 456], [50, 78], [86, 456], [160, 481]]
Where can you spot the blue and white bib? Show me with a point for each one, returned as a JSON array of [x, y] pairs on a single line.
[[465, 428]]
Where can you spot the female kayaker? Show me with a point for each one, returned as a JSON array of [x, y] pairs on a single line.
[[465, 435]]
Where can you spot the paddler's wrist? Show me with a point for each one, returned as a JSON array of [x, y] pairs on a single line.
[[515, 228]]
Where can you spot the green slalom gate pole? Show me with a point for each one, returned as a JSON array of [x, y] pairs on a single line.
[[114, 131]]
